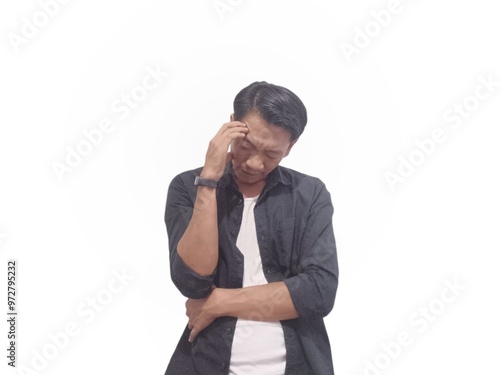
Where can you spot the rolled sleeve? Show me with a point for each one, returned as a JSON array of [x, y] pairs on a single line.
[[314, 287], [178, 212], [189, 282]]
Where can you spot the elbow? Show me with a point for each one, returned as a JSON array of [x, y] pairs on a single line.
[[188, 282], [326, 299], [190, 289], [313, 294]]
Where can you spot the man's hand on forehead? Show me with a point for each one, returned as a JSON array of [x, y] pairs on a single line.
[[218, 154]]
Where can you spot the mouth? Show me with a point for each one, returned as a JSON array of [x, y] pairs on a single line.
[[249, 174]]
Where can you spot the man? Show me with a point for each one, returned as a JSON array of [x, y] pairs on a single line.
[[252, 247]]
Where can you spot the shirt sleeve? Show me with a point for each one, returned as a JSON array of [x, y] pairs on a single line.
[[178, 212], [314, 288]]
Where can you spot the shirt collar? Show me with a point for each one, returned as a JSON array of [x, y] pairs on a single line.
[[276, 176]]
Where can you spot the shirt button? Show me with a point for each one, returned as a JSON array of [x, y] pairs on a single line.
[[263, 237], [238, 261], [223, 366], [233, 233], [228, 331], [240, 201]]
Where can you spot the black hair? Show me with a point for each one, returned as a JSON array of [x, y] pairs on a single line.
[[276, 104]]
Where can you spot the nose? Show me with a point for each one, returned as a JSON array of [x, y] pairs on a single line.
[[255, 163]]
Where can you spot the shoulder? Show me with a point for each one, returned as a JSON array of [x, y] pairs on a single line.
[[309, 192], [183, 184], [299, 180], [187, 177], [307, 189]]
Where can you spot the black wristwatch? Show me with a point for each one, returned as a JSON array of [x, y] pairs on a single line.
[[198, 181]]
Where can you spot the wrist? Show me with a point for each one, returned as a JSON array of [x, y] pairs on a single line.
[[210, 174], [221, 297], [211, 183]]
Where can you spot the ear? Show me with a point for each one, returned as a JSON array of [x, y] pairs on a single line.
[[231, 118], [289, 148]]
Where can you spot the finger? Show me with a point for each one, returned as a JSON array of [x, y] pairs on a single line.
[[229, 125], [233, 133], [222, 141], [234, 124], [229, 157], [234, 130], [192, 335]]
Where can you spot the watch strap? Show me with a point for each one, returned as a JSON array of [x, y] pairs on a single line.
[[199, 181]]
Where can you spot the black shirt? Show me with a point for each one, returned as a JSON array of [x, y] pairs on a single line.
[[293, 219]]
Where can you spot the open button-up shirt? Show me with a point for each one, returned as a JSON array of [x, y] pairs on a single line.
[[293, 218]]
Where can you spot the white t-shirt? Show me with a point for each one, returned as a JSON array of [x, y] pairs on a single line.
[[258, 347]]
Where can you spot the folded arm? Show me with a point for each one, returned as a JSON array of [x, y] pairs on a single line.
[[308, 294]]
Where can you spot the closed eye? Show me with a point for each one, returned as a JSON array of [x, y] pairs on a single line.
[[246, 145], [273, 154]]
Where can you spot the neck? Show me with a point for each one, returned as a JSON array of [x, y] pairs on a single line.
[[251, 190]]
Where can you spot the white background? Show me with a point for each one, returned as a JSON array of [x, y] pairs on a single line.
[[397, 249]]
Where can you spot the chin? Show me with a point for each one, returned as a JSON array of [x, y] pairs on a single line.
[[247, 178]]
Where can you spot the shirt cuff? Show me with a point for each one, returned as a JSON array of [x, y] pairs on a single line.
[[308, 299], [190, 283]]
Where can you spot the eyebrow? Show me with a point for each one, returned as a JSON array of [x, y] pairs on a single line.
[[271, 151]]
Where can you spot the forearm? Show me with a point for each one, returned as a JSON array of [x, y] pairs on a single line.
[[268, 302], [199, 246]]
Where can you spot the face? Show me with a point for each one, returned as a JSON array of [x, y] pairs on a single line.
[[260, 151]]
